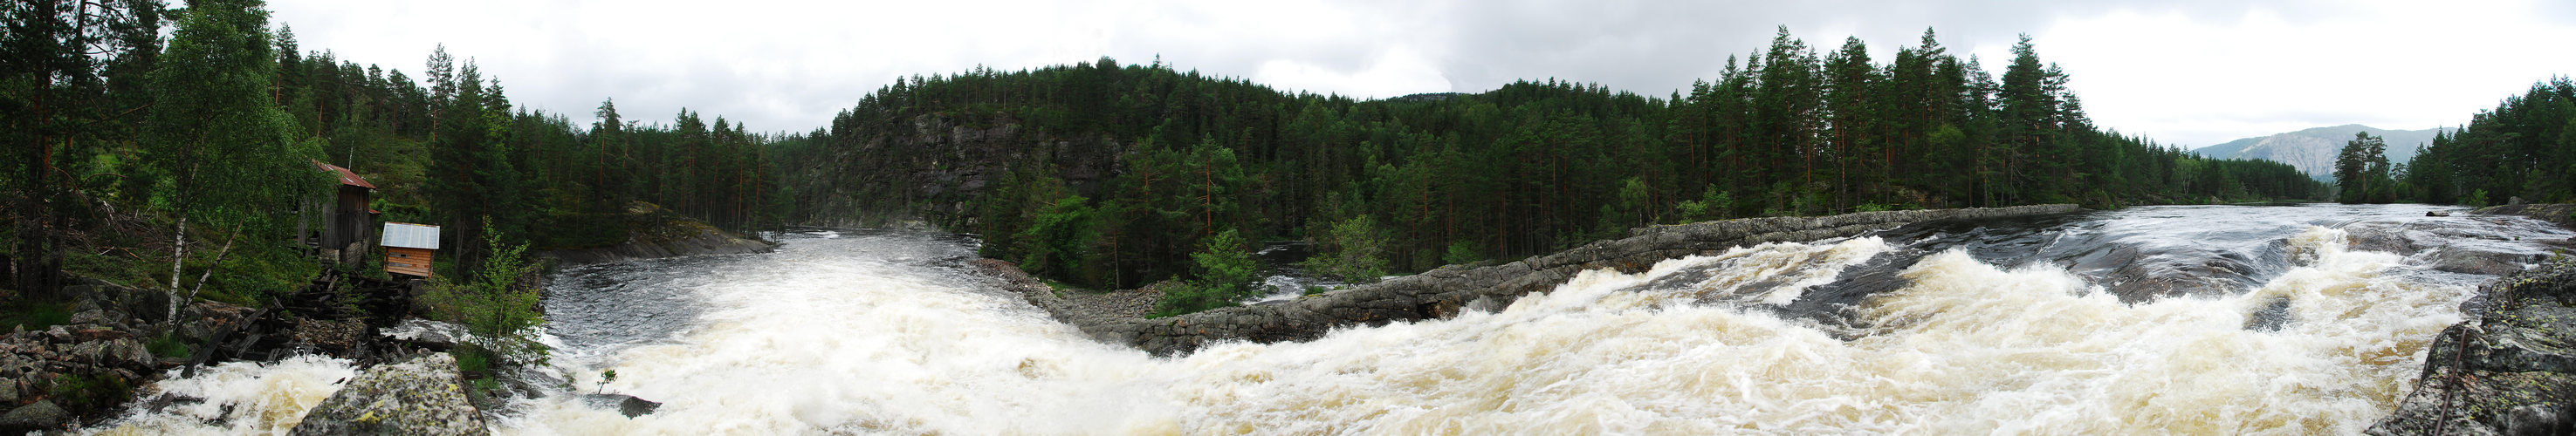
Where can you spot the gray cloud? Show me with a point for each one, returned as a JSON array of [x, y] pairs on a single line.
[[2189, 71]]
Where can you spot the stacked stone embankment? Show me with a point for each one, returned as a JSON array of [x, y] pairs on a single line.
[[1443, 292]]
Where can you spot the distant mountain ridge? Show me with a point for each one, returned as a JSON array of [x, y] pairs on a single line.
[[2313, 150]]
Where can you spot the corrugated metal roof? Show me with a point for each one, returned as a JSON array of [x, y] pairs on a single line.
[[408, 235], [346, 177]]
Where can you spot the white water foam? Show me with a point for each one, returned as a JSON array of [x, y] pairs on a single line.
[[818, 345], [239, 398]]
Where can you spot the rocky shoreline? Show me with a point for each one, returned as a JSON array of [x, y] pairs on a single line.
[[1443, 292], [654, 234], [2510, 368]]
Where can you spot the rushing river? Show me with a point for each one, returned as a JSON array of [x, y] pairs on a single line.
[[2198, 320]]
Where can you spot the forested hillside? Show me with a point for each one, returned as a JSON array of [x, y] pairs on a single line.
[[129, 149], [2525, 147], [1110, 175]]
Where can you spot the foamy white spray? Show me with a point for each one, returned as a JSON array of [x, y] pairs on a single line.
[[821, 341], [238, 398]]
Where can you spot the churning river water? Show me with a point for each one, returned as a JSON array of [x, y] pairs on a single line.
[[2198, 320]]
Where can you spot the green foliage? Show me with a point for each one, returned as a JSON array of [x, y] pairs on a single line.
[[220, 150], [492, 304], [91, 394], [1462, 252], [168, 346], [1711, 205], [1226, 275], [1058, 238], [34, 314], [1354, 251], [2519, 149]]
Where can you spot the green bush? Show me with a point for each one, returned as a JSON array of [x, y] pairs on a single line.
[[1353, 251], [491, 303], [35, 315], [1226, 274], [87, 394], [168, 345], [1460, 253]]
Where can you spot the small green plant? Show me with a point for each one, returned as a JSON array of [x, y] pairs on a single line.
[[1461, 252], [168, 346], [501, 313], [88, 394], [604, 378]]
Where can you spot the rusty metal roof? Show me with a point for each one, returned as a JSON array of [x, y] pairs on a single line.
[[346, 177]]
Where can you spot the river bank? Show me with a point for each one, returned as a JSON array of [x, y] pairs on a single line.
[[1445, 291], [654, 233]]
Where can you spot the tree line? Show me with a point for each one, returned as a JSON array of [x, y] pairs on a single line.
[[2524, 148], [1118, 176], [129, 147]]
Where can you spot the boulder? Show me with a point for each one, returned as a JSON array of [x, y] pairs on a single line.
[[434, 335], [626, 404], [43, 415], [2510, 368], [422, 396]]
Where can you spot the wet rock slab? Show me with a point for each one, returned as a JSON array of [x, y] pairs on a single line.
[[1444, 292], [422, 396], [2509, 369]]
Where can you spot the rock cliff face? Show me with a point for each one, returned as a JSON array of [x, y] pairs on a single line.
[[1443, 292], [929, 167], [2509, 369]]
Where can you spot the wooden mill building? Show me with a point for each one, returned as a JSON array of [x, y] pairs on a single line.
[[345, 227]]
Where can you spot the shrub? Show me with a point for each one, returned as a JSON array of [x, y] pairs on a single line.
[[1226, 272], [1354, 251], [491, 303]]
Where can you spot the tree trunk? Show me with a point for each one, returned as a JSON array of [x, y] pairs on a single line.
[[178, 256]]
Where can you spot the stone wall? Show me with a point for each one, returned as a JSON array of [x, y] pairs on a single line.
[[1443, 292]]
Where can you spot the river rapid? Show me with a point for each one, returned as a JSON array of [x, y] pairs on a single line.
[[2189, 319]]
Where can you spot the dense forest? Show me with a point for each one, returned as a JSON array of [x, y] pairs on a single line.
[[2525, 147], [1104, 175], [130, 148], [135, 148]]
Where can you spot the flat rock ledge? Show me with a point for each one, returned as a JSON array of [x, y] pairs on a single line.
[[421, 396], [1443, 292], [2562, 214]]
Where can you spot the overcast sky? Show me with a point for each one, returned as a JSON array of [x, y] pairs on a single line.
[[2187, 72]]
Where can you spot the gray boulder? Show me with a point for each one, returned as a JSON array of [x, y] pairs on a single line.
[[2509, 369], [423, 396], [43, 415], [626, 404]]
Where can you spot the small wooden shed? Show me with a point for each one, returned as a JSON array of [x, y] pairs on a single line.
[[409, 248]]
